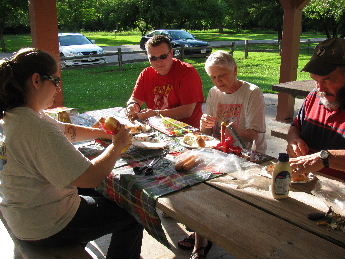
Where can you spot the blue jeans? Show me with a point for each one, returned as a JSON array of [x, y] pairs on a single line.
[[96, 217]]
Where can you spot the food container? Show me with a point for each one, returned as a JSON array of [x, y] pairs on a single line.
[[62, 114]]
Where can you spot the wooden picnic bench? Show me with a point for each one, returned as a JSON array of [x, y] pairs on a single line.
[[287, 92], [249, 223], [12, 247]]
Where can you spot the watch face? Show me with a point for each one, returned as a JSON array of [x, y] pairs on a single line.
[[324, 154]]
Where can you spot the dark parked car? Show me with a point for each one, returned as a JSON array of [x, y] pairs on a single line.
[[180, 38]]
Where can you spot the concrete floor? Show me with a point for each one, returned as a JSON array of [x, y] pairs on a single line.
[[152, 249]]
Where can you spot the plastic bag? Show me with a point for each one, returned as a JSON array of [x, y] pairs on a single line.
[[214, 161], [332, 193]]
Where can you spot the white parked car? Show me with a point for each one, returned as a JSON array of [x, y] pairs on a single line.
[[79, 46]]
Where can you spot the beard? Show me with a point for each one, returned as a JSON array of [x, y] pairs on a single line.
[[338, 103], [341, 98], [329, 105]]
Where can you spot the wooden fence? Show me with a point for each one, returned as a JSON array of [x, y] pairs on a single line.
[[120, 56], [247, 46], [275, 46]]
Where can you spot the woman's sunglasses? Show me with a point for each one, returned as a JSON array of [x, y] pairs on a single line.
[[56, 80]]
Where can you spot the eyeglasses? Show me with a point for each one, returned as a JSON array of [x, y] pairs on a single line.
[[162, 57], [56, 80]]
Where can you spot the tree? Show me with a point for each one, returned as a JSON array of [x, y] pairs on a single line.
[[330, 14], [13, 13], [254, 13], [76, 15]]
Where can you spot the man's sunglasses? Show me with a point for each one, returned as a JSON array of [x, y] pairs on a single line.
[[56, 80], [162, 57]]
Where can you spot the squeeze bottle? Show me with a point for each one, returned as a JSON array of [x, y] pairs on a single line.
[[281, 177]]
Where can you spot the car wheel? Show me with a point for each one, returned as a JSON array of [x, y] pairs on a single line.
[[177, 53]]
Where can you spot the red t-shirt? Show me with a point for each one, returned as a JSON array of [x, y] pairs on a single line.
[[182, 85]]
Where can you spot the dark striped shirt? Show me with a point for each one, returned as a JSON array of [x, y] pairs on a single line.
[[321, 128]]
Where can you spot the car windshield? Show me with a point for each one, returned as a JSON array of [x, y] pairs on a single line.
[[68, 40], [178, 35]]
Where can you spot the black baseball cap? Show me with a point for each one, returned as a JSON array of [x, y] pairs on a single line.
[[328, 55]]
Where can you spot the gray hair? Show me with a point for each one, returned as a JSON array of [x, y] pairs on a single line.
[[220, 58]]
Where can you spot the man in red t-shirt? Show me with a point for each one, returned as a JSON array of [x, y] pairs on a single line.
[[169, 87]]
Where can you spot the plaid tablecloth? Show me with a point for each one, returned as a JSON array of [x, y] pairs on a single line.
[[138, 193]]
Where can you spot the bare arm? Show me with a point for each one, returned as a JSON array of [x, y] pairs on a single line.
[[247, 135], [337, 159], [313, 162], [76, 133], [104, 163], [180, 112]]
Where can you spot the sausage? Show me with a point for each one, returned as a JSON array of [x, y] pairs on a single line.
[[190, 163], [200, 141], [179, 165]]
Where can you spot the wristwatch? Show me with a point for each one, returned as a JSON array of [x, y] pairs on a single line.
[[325, 155]]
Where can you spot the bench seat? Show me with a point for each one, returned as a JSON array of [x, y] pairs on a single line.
[[13, 248], [279, 129]]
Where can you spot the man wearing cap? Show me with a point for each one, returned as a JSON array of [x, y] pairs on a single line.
[[316, 138], [169, 87]]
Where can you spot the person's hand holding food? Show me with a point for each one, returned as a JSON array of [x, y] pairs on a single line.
[[301, 166], [122, 139], [207, 121], [297, 147], [132, 110], [121, 136], [146, 113]]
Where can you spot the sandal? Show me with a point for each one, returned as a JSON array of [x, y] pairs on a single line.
[[201, 252], [187, 243]]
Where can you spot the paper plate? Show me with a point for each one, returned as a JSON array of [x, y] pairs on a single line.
[[149, 145], [210, 142]]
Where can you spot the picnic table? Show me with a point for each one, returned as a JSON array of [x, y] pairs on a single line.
[[235, 210], [286, 97], [287, 92]]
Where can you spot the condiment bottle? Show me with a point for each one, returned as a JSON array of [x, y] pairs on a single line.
[[281, 177]]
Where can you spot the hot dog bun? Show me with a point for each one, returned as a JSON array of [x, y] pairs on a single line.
[[201, 141], [111, 124], [190, 163], [186, 163], [179, 165]]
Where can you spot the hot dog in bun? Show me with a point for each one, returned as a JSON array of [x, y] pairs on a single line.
[[111, 124]]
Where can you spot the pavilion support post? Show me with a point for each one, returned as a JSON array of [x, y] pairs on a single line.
[[44, 32], [289, 56]]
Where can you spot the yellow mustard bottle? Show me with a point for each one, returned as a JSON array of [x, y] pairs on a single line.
[[281, 177]]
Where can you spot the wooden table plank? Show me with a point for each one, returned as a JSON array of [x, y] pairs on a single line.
[[295, 209], [241, 229], [295, 88]]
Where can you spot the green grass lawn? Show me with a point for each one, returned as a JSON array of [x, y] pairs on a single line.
[[15, 42], [108, 86]]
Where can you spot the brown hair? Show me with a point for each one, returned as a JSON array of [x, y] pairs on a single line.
[[15, 72], [158, 40]]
